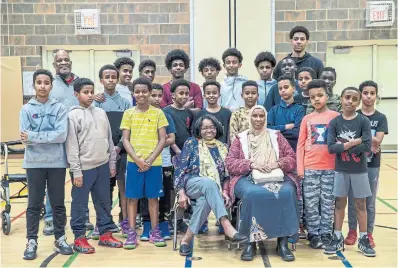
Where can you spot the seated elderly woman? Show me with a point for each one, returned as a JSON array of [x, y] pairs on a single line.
[[199, 176], [260, 162]]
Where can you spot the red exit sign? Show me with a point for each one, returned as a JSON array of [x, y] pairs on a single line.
[[378, 13]]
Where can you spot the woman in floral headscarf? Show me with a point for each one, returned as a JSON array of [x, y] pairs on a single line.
[[200, 176], [260, 163]]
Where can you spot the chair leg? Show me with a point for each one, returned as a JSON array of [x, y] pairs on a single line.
[[238, 220], [175, 229]]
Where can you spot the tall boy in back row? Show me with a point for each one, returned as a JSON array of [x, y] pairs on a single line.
[[349, 137], [379, 128], [231, 87], [265, 64], [177, 62], [299, 38]]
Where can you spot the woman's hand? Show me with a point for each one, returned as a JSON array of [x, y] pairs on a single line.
[[227, 200], [183, 200], [262, 168]]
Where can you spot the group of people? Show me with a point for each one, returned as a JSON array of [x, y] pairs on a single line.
[[286, 146]]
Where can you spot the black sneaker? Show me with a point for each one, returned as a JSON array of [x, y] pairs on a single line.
[[335, 245], [326, 239], [62, 247], [315, 242], [365, 248], [30, 251]]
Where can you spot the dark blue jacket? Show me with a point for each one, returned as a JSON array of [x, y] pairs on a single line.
[[283, 114], [273, 98]]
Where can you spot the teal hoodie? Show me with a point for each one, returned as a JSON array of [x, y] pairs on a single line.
[[46, 125]]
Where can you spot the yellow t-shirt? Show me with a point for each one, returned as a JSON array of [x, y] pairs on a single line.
[[143, 128]]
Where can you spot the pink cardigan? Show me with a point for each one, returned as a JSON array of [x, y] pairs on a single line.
[[239, 167]]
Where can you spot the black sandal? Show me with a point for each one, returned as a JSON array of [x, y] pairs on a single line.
[[185, 249]]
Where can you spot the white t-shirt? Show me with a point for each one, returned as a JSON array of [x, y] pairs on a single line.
[[124, 92]]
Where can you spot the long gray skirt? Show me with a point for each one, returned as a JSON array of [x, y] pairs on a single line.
[[269, 210]]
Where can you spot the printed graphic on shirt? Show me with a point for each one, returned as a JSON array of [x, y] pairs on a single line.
[[319, 133], [343, 137]]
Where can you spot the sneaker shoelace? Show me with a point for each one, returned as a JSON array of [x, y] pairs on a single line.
[[31, 245], [365, 241], [62, 241], [157, 234]]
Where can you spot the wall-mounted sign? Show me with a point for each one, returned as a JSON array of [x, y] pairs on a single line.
[[380, 13]]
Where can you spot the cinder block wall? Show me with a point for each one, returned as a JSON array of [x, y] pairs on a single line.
[[327, 20], [157, 26]]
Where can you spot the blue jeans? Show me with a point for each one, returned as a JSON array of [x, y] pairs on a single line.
[[96, 181]]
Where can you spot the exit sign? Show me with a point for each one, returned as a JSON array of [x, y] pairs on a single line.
[[380, 13]]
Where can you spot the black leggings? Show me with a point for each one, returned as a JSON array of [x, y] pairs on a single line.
[[165, 201]]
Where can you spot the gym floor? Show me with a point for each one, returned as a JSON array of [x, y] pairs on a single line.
[[210, 250]]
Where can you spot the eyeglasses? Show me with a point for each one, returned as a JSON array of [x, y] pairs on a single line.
[[212, 128]]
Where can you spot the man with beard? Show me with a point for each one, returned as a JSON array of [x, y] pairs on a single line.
[[288, 69], [177, 62], [299, 37]]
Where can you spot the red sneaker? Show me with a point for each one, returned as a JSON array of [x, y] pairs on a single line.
[[81, 245], [351, 238], [109, 241], [371, 241]]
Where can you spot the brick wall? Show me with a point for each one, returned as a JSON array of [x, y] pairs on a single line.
[[157, 26], [327, 20]]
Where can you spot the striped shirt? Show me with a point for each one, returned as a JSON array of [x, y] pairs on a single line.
[[143, 128]]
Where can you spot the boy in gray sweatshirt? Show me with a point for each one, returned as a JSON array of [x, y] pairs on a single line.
[[43, 128], [92, 159]]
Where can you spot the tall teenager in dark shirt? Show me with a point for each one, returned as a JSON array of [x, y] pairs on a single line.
[[349, 137], [379, 127], [299, 38]]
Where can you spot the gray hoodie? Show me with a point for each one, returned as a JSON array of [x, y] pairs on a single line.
[[46, 125], [63, 92], [231, 92], [89, 142]]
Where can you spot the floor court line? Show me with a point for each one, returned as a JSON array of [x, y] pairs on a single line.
[[75, 254], [387, 204], [391, 166]]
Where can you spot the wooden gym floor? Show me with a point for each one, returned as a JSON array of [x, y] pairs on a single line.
[[210, 250]]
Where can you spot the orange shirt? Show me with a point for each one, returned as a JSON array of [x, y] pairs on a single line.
[[312, 149]]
